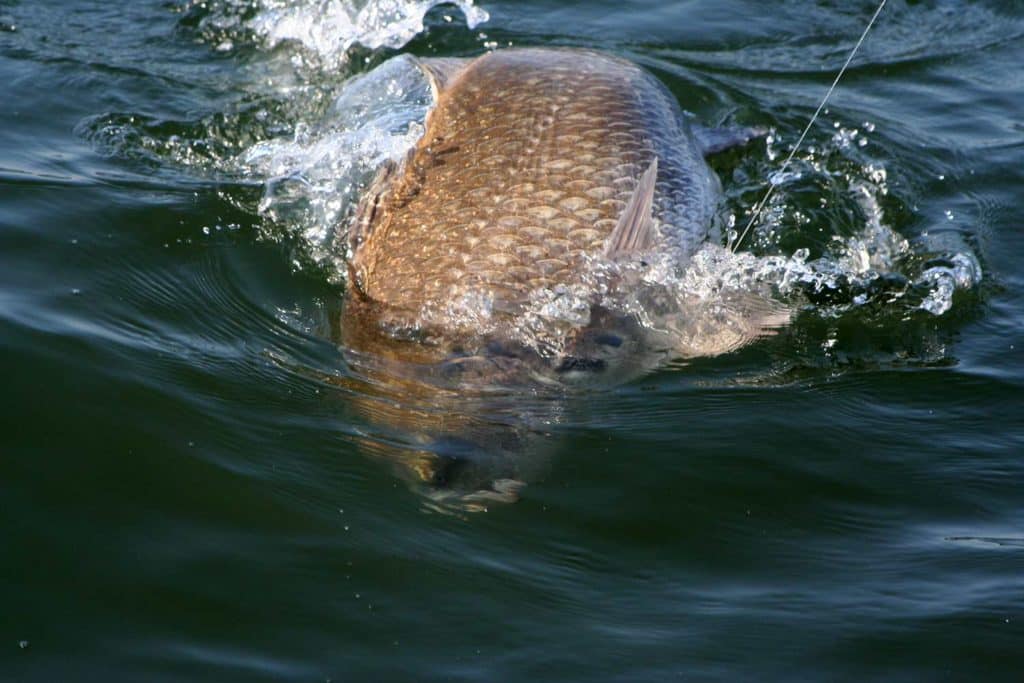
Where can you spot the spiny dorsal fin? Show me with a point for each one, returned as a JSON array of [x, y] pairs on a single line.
[[370, 211], [441, 71], [366, 214], [635, 230]]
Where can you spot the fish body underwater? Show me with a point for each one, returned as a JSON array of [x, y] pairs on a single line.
[[510, 242]]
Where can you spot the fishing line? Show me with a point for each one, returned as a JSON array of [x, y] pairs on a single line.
[[759, 207]]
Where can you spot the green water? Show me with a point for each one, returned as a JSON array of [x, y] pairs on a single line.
[[192, 490]]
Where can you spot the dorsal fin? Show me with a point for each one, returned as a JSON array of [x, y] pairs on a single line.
[[369, 213], [441, 71], [635, 230], [367, 210]]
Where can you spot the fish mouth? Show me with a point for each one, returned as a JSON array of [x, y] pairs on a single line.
[[581, 364]]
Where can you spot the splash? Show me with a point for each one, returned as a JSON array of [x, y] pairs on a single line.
[[861, 262], [313, 180], [326, 29], [296, 122], [330, 27]]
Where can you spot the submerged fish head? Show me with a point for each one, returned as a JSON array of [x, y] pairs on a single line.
[[614, 347]]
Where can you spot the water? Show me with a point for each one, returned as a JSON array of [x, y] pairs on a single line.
[[200, 484]]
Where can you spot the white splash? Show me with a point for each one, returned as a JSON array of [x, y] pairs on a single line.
[[330, 28], [313, 180]]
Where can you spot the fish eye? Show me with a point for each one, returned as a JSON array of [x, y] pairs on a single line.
[[609, 339]]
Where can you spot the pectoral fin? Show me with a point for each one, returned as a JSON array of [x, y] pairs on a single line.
[[730, 321], [635, 230], [715, 140]]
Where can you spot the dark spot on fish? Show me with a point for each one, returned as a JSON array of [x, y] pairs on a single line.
[[496, 348], [574, 364], [609, 339]]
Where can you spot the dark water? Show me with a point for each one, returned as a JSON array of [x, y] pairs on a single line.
[[192, 489]]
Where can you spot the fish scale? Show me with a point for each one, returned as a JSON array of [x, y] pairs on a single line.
[[526, 164]]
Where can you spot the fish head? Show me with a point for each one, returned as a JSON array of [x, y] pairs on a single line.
[[614, 347]]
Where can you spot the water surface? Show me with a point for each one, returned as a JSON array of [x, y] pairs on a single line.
[[195, 490]]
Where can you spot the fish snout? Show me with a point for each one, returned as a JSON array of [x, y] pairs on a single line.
[[592, 352]]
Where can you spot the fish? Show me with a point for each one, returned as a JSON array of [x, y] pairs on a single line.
[[513, 246], [539, 172]]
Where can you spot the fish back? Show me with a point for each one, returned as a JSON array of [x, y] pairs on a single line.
[[526, 164]]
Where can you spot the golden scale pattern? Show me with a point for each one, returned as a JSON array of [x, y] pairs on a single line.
[[525, 166]]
